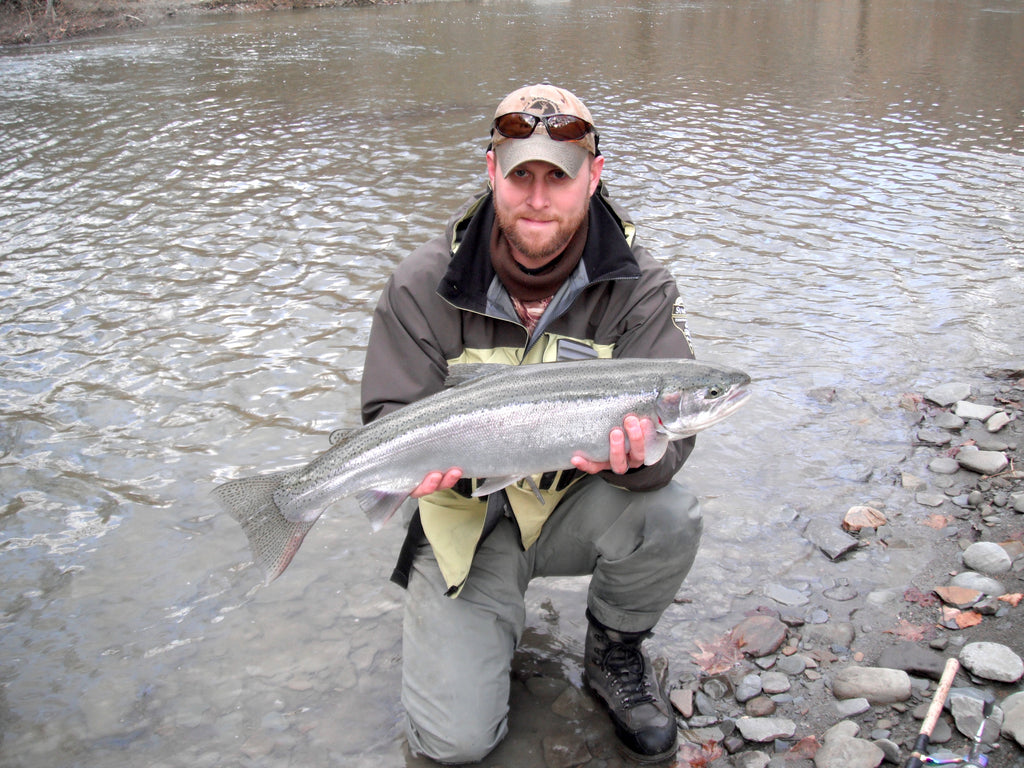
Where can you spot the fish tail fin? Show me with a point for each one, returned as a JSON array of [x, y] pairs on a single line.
[[273, 538]]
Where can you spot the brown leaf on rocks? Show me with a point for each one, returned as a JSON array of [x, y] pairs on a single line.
[[910, 400], [805, 749], [699, 755], [863, 517], [914, 595], [1013, 598], [958, 597], [759, 635], [907, 631], [954, 618], [718, 656], [937, 521]]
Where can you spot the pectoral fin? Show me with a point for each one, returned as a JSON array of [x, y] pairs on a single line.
[[494, 484], [379, 506]]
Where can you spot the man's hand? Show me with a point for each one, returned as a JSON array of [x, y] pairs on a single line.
[[620, 460], [437, 481]]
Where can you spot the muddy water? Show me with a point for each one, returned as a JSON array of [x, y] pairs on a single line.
[[197, 220]]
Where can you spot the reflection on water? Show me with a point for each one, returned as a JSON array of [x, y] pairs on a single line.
[[197, 221]]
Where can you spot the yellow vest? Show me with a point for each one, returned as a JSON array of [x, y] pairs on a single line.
[[453, 523]]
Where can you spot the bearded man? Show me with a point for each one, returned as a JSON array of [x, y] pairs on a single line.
[[541, 267]]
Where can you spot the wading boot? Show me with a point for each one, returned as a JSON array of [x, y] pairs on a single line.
[[620, 673]]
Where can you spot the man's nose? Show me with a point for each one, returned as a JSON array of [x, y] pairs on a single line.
[[537, 196]]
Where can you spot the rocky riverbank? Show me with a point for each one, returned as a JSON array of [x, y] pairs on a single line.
[[835, 679], [28, 23]]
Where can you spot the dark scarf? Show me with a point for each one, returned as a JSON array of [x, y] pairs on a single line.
[[535, 284]]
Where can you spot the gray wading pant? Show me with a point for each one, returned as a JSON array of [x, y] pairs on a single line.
[[457, 653]]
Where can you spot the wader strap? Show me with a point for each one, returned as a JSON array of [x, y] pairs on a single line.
[[413, 538]]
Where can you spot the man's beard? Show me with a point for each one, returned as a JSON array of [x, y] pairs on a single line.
[[538, 252]]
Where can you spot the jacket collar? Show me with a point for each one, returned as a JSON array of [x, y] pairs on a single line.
[[606, 256]]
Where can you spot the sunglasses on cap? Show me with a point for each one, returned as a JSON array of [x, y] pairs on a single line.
[[521, 125]]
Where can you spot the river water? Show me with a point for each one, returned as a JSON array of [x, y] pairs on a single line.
[[197, 219]]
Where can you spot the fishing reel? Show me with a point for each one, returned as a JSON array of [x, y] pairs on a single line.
[[973, 758]]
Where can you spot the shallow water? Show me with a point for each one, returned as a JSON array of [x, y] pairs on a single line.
[[197, 221]]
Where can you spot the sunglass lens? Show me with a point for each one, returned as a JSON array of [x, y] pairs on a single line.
[[516, 125], [566, 127]]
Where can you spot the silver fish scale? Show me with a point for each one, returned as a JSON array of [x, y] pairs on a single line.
[[543, 414]]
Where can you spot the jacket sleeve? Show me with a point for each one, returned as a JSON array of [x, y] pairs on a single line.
[[655, 327], [405, 361]]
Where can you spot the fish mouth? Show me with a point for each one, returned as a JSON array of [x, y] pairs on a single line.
[[717, 411], [732, 403]]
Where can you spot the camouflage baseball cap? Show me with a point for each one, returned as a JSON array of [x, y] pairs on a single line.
[[543, 100]]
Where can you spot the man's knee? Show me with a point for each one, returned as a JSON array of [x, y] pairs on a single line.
[[674, 513], [463, 743]]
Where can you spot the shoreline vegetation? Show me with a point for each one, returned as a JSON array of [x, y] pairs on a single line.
[[30, 22]]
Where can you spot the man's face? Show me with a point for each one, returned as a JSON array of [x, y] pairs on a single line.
[[539, 207]]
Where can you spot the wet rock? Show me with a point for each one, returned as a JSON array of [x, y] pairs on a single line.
[[942, 733], [1011, 369], [841, 593], [792, 665], [982, 462], [913, 659], [992, 661], [829, 539], [862, 516], [749, 687], [842, 749], [759, 635], [765, 729], [943, 465], [775, 682], [1013, 718], [754, 759], [983, 584], [987, 557], [705, 704], [565, 750], [998, 421], [878, 685], [852, 707], [682, 700], [891, 750], [946, 395], [932, 436], [785, 595], [967, 707], [958, 597], [968, 410], [933, 500], [838, 634], [572, 704], [761, 706], [947, 420], [912, 482], [716, 687]]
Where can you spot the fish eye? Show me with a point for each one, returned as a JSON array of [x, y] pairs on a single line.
[[715, 391]]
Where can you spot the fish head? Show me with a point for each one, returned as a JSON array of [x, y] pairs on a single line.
[[699, 396]]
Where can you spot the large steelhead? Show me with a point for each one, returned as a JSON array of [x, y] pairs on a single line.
[[499, 422]]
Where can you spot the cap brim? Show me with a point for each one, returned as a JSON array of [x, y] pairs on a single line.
[[567, 155]]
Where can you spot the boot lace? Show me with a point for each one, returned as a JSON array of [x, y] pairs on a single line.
[[625, 666]]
